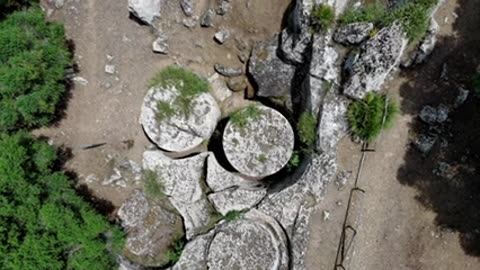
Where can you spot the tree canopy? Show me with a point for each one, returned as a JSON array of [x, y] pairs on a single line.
[[44, 224], [33, 59]]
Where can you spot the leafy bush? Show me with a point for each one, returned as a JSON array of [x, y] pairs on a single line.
[[44, 224], [366, 116], [233, 215], [175, 250], [242, 117], [369, 13], [188, 84], [294, 161], [322, 17], [306, 128], [33, 58], [153, 187]]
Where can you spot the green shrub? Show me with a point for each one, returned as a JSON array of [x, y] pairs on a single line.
[[322, 18], [175, 250], [233, 215], [476, 84], [242, 117], [153, 187], [369, 13], [306, 128], [294, 161], [33, 59], [188, 85], [44, 224], [366, 116]]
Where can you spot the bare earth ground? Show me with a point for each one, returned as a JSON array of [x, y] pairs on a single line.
[[100, 114], [408, 218]]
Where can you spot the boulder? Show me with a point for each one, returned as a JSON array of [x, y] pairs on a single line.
[[255, 241], [228, 71], [182, 184], [332, 122], [432, 116], [223, 6], [272, 76], [187, 7], [160, 45], [377, 57], [262, 146], [207, 18], [237, 84], [353, 33], [194, 255], [151, 230], [300, 238], [178, 132], [218, 88], [222, 36], [323, 63], [145, 10], [424, 143], [236, 199]]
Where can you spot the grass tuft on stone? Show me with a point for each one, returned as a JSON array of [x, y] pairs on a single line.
[[233, 215], [306, 127], [366, 116], [369, 13], [188, 84], [242, 117], [322, 18], [175, 250], [153, 188], [294, 161]]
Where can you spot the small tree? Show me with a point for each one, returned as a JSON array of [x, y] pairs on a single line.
[[322, 18], [369, 115]]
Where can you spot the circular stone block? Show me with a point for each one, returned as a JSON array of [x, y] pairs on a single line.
[[174, 130], [258, 141], [255, 241]]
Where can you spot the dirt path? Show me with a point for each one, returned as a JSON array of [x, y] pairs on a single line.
[[106, 110], [400, 218]]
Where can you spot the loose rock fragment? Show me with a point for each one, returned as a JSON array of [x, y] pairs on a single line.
[[145, 10], [222, 36], [160, 45], [228, 71], [207, 18]]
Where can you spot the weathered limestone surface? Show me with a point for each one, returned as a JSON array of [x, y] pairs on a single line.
[[377, 57], [145, 10], [332, 123], [151, 229], [194, 255], [179, 132], [353, 33], [252, 242], [181, 181], [236, 199], [271, 74], [262, 147]]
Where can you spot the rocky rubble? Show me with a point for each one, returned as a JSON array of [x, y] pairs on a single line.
[[353, 34]]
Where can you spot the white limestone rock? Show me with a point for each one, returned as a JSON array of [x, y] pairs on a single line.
[[263, 146], [377, 57], [160, 45], [323, 64], [145, 10], [219, 179], [332, 123], [219, 89], [194, 255], [236, 199], [181, 181], [179, 132], [353, 33]]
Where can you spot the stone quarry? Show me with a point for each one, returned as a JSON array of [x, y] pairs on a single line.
[[271, 216]]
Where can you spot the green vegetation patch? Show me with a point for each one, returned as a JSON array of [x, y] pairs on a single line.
[[233, 215], [322, 18], [412, 15], [294, 161], [188, 84], [153, 187], [242, 117], [476, 84], [366, 116], [33, 58], [306, 128], [44, 223], [175, 250]]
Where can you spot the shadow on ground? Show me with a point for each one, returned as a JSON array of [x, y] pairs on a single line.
[[446, 179]]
